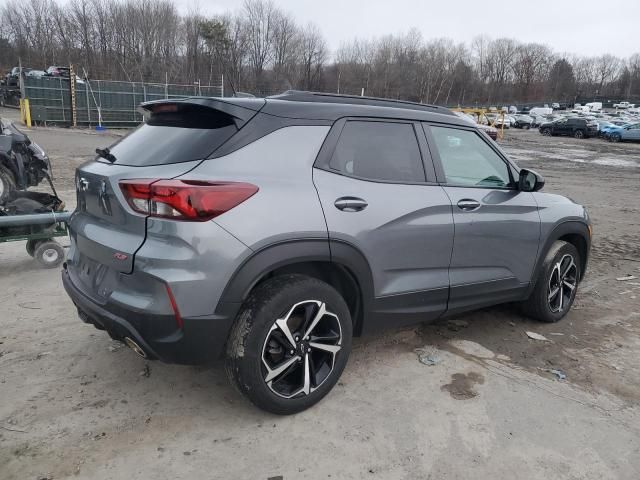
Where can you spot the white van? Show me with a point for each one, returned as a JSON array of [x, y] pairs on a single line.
[[541, 111]]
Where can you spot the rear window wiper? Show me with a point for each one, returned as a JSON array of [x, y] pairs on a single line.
[[106, 154]]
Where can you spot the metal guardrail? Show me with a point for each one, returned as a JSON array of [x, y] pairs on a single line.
[[34, 219]]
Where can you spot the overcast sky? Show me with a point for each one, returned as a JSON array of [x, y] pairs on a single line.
[[587, 27]]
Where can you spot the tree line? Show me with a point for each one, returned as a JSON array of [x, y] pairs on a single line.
[[260, 48]]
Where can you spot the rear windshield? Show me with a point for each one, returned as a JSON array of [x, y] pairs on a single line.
[[190, 133]]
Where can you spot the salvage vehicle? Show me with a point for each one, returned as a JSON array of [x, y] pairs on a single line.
[[23, 163], [626, 133], [12, 78], [572, 126], [34, 217], [269, 232], [523, 121]]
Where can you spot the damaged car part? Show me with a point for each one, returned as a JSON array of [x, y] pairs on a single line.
[[23, 163]]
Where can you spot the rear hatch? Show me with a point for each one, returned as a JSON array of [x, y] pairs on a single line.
[[177, 135]]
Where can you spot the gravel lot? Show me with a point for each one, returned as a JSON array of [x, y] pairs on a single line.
[[74, 404]]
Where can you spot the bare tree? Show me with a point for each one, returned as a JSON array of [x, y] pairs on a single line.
[[313, 54], [285, 34], [606, 66], [262, 49], [260, 25]]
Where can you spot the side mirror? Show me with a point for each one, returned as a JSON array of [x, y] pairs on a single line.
[[530, 181]]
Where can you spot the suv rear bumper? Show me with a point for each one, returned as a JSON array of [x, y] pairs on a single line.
[[201, 339]]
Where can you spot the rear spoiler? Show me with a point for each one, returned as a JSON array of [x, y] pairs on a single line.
[[240, 109]]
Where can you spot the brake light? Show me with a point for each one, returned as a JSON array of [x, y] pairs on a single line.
[[192, 200]]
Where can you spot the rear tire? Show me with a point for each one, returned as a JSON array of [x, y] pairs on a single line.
[[49, 254], [269, 337], [556, 285]]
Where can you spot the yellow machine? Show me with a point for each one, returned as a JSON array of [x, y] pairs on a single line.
[[480, 114]]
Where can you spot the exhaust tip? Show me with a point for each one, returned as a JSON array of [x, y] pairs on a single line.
[[135, 347]]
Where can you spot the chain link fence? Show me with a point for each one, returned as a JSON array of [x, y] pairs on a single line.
[[102, 102]]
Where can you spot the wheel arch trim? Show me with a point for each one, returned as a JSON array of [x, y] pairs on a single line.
[[298, 251], [569, 227]]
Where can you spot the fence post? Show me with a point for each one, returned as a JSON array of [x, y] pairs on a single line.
[[99, 106], [222, 84], [72, 92], [61, 91], [133, 89], [86, 95]]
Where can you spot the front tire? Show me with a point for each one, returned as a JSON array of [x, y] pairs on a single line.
[[557, 284], [546, 132], [578, 134], [290, 343]]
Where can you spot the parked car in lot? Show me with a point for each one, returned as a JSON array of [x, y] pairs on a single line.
[[63, 72], [537, 120], [572, 126], [56, 71], [523, 121], [271, 231], [607, 130], [624, 105], [626, 133], [540, 111], [498, 120], [36, 73], [490, 131], [12, 78], [603, 125]]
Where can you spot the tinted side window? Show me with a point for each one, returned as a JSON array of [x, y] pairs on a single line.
[[468, 161], [378, 151]]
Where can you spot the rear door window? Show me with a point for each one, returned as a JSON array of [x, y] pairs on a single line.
[[189, 133], [381, 151]]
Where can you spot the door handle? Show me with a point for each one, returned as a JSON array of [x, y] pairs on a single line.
[[350, 204], [468, 204]]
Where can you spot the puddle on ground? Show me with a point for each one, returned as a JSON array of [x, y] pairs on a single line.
[[462, 385]]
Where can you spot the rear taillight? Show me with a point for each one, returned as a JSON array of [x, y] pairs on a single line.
[[185, 199]]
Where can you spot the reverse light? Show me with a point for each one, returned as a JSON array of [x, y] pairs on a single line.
[[191, 200]]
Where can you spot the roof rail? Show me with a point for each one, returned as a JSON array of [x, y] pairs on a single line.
[[303, 96]]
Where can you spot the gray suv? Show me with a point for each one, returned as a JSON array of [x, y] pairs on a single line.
[[272, 231]]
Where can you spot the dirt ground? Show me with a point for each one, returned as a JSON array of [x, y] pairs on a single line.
[[74, 404]]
